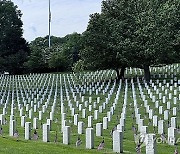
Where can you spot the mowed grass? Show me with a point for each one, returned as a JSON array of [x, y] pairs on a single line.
[[12, 145]]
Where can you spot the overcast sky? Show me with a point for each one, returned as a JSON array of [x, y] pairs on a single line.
[[68, 16]]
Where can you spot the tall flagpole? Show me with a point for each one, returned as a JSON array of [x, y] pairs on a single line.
[[49, 24]]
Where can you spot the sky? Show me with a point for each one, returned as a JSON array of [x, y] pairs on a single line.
[[67, 16]]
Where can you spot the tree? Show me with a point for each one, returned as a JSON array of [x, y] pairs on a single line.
[[71, 49], [133, 33], [13, 47], [64, 52], [40, 55], [35, 61], [57, 59], [79, 66], [156, 23], [108, 38]]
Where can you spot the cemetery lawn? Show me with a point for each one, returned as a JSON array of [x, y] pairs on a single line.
[[12, 145], [9, 145]]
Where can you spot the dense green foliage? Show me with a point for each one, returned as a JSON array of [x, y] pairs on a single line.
[[13, 47], [64, 52], [133, 33]]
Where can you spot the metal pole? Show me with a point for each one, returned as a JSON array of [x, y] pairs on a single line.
[[49, 24]]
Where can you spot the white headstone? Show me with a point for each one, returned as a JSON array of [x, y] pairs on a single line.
[[99, 129], [66, 135], [150, 144], [40, 115], [83, 113], [35, 123], [76, 119], [80, 127], [49, 122], [174, 111], [171, 136], [46, 132], [174, 122], [155, 120], [27, 131], [105, 122], [89, 138], [117, 141], [160, 127], [109, 115], [90, 121], [96, 114], [160, 109], [23, 121], [12, 127], [166, 115], [2, 119]]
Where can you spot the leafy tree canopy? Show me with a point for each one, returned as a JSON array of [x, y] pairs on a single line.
[[133, 33], [13, 47], [64, 52]]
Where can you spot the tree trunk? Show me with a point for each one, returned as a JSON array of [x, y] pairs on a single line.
[[120, 75], [122, 72], [147, 75]]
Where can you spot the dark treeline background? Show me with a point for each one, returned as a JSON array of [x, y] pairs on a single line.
[[62, 55]]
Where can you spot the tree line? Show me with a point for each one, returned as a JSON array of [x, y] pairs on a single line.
[[61, 56], [127, 33]]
